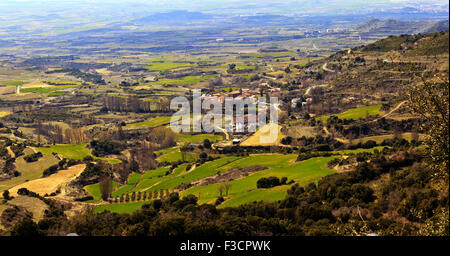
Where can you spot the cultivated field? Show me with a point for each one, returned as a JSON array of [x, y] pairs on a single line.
[[356, 113], [51, 183], [29, 171], [267, 135], [72, 151], [244, 190]]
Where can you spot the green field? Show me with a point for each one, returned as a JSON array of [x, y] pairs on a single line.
[[198, 138], [72, 151], [142, 182], [46, 90], [358, 150], [355, 113], [174, 155], [183, 81], [56, 93], [120, 208], [109, 160], [169, 154], [12, 83], [164, 66], [149, 185], [179, 175], [152, 122], [378, 139], [122, 190], [94, 190], [244, 190], [149, 178]]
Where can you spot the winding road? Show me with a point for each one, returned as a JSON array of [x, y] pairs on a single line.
[[324, 67]]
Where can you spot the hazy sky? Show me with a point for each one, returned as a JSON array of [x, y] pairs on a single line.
[[138, 7]]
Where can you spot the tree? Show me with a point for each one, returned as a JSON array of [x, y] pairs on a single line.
[[220, 189], [227, 187], [207, 144], [268, 182], [120, 133], [6, 195], [105, 188], [25, 227], [203, 155], [144, 196], [430, 100], [163, 136]]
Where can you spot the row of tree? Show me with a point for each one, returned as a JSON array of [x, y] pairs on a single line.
[[132, 103]]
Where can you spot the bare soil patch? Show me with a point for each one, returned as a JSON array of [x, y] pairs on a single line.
[[232, 174], [51, 183]]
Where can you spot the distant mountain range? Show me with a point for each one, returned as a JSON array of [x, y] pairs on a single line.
[[396, 27]]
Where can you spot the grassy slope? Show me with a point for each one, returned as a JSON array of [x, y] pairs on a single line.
[[380, 138], [244, 190], [169, 154], [32, 204], [29, 171], [356, 113], [205, 170], [77, 152], [120, 208]]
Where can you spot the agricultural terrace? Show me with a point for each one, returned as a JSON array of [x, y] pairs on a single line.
[[150, 123], [244, 190], [198, 138], [120, 208]]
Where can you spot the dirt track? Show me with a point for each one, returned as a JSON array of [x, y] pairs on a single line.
[[392, 110]]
